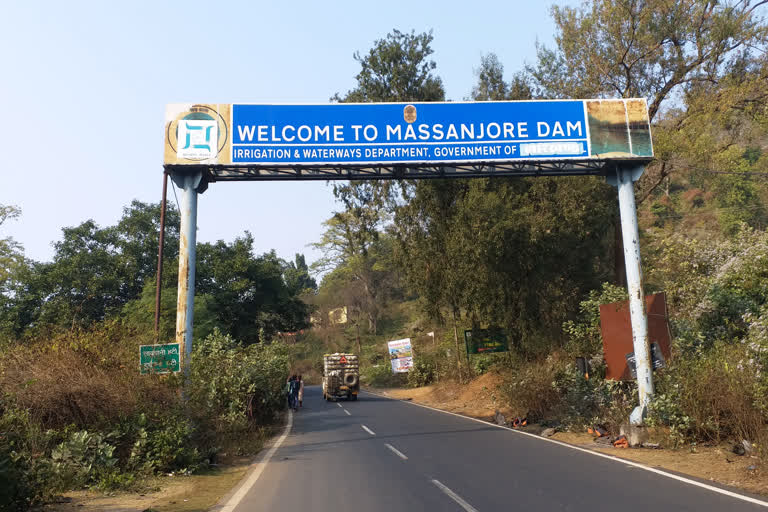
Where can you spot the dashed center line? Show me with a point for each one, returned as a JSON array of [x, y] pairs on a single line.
[[396, 451], [348, 413], [368, 430], [455, 497]]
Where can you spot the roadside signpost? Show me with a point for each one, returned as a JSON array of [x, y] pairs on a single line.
[[159, 358], [206, 143], [485, 341]]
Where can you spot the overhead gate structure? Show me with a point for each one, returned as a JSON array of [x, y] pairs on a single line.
[[209, 143]]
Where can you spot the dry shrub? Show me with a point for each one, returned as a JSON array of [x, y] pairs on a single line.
[[85, 379], [717, 393], [530, 390]]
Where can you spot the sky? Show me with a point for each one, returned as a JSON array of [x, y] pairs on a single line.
[[84, 87]]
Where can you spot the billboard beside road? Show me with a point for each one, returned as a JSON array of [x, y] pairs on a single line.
[[400, 355]]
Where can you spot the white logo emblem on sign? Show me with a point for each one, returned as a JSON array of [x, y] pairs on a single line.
[[198, 139]]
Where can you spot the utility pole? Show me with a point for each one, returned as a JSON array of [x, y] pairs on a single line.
[[625, 178], [160, 245]]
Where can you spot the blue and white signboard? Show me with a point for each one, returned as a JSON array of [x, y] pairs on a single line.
[[407, 133]]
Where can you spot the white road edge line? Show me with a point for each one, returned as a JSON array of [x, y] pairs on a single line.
[[597, 454], [258, 469], [455, 497], [396, 451], [368, 430], [348, 413]]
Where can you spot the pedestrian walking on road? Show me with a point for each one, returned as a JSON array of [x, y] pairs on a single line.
[[301, 391], [293, 392]]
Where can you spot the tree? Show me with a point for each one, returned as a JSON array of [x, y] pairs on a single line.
[[491, 85], [396, 69], [247, 294], [651, 48], [353, 240], [12, 265], [95, 270], [136, 236], [297, 278], [11, 252]]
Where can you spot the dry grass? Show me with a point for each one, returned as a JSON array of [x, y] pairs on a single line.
[[85, 382]]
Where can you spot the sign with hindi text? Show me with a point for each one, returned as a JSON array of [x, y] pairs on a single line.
[[159, 358]]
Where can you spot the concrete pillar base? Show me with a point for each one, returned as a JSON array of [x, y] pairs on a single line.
[[635, 434]]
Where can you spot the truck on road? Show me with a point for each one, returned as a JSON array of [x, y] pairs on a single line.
[[341, 376]]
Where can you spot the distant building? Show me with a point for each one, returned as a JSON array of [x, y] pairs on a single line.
[[338, 315]]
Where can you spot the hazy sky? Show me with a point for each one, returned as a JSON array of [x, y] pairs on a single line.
[[84, 87]]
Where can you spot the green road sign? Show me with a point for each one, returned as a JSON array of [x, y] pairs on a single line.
[[159, 358], [484, 341]]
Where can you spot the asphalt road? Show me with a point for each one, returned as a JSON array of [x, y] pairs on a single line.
[[377, 454]]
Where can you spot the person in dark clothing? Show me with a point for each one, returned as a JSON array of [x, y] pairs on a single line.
[[293, 392]]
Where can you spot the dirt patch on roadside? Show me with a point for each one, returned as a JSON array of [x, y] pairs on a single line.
[[195, 493], [714, 463], [481, 399]]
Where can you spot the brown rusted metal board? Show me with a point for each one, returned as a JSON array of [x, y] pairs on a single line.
[[616, 329]]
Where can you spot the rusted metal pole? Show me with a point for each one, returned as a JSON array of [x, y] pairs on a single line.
[[161, 243], [456, 339], [187, 249], [631, 240]]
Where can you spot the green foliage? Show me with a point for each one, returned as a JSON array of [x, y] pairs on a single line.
[[397, 69], [31, 479], [297, 277], [717, 395], [491, 85], [381, 376], [662, 51], [102, 272], [423, 372], [94, 272], [513, 253], [228, 380], [594, 401], [83, 459], [665, 410], [11, 252], [247, 295], [632, 49], [81, 416], [584, 335], [481, 365], [165, 444]]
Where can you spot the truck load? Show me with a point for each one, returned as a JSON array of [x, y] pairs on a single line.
[[341, 376]]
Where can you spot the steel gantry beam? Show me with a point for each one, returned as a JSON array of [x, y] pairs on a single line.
[[214, 173]]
